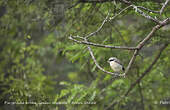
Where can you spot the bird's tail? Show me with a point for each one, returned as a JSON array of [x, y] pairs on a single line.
[[123, 68]]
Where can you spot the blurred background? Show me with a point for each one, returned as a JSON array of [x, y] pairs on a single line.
[[38, 63]]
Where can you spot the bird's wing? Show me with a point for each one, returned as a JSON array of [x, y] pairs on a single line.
[[118, 61]]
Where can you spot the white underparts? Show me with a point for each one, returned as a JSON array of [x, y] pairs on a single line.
[[116, 66]]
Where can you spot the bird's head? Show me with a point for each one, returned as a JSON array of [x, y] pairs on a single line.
[[111, 59]]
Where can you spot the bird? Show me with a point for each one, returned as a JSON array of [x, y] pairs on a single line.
[[115, 64]]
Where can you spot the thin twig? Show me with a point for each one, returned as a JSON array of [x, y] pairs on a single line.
[[120, 12], [145, 15], [100, 45], [163, 7], [140, 11], [131, 61], [149, 10], [95, 1], [74, 5], [104, 21], [124, 1]]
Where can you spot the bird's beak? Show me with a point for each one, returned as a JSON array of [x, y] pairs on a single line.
[[108, 61]]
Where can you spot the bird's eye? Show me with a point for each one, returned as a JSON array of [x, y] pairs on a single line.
[[111, 59]]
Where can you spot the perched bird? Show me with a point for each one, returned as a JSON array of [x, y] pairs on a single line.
[[115, 64]]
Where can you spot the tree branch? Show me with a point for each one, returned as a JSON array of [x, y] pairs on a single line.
[[146, 71], [140, 11], [163, 7], [143, 42], [138, 47], [94, 1], [120, 12], [139, 79], [100, 45], [145, 15], [98, 66], [131, 61], [104, 21], [163, 23], [75, 4], [149, 10]]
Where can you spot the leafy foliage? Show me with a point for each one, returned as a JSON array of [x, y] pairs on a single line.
[[38, 63]]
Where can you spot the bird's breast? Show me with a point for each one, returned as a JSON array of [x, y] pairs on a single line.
[[115, 66]]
